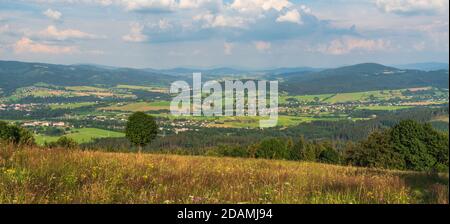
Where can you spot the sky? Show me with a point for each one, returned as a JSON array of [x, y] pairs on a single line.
[[224, 33]]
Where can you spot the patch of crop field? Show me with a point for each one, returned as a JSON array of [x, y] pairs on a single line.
[[379, 95], [140, 106], [252, 122], [70, 105], [36, 176], [365, 96], [86, 89], [145, 88], [442, 118], [81, 135], [386, 108]]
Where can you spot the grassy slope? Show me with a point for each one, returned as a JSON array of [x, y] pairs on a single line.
[[59, 176]]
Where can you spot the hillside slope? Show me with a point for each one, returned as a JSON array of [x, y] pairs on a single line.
[[363, 77], [20, 74], [61, 176]]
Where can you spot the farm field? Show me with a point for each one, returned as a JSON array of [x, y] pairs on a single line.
[[366, 96], [385, 108], [81, 135], [141, 106], [61, 176], [70, 105], [146, 88]]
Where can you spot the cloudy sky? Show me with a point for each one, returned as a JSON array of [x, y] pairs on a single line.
[[213, 33]]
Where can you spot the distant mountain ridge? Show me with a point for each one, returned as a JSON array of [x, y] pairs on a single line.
[[363, 77], [302, 80], [15, 74], [429, 66]]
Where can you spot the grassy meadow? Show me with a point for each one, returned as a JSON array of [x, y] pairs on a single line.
[[62, 176], [81, 135]]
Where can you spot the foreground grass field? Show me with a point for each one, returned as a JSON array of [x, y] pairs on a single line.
[[61, 176]]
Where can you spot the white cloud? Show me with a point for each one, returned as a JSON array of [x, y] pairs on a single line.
[[53, 14], [292, 16], [262, 46], [412, 6], [135, 34], [346, 45], [213, 21], [255, 5], [228, 48], [26, 45], [54, 34]]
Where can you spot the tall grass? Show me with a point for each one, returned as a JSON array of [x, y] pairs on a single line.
[[36, 175]]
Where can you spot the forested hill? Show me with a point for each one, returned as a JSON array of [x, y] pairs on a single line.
[[14, 75], [362, 77]]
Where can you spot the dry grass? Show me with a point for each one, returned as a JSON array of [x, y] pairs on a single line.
[[61, 176]]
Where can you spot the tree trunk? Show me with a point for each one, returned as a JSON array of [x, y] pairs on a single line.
[[140, 149]]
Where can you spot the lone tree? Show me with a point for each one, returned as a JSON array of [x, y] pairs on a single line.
[[141, 129]]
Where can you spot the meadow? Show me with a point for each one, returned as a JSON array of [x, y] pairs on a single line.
[[61, 176], [81, 135]]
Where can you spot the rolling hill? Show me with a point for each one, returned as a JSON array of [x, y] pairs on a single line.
[[362, 77], [295, 81], [14, 75]]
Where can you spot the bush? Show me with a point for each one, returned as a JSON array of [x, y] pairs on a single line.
[[15, 134], [63, 142]]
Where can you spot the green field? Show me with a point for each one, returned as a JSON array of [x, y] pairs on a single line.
[[386, 108], [70, 105], [145, 88], [367, 96], [141, 106], [81, 135], [86, 89]]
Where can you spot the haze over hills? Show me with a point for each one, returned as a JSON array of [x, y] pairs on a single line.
[[360, 77]]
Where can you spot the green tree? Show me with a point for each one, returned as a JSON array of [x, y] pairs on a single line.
[[273, 148], [406, 146], [141, 129]]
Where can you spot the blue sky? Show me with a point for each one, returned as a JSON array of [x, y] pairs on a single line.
[[215, 33]]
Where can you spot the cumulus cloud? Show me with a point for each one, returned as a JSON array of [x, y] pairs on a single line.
[[26, 45], [212, 21], [53, 14], [262, 46], [136, 34], [292, 16], [346, 45], [254, 5], [54, 33], [409, 7]]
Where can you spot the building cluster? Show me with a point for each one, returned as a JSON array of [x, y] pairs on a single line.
[[45, 124], [18, 107]]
